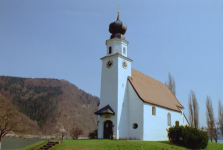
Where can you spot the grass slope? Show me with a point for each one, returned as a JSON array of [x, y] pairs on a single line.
[[130, 145], [35, 146]]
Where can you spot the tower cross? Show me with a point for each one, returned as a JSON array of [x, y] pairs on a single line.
[[118, 9]]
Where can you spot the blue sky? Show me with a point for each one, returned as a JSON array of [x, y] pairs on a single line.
[[65, 39]]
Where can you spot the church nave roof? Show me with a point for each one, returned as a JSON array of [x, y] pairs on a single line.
[[153, 91]]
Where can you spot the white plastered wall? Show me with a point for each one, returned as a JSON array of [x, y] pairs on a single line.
[[117, 46], [155, 125], [123, 106], [135, 114], [109, 92], [114, 93]]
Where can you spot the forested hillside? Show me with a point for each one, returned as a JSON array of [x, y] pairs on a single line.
[[53, 103]]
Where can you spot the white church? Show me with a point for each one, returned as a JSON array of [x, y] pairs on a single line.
[[133, 104]]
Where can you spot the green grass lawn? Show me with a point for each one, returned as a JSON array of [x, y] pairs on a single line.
[[117, 145]]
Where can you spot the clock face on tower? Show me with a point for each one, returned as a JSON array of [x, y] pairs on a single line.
[[124, 64], [109, 64]]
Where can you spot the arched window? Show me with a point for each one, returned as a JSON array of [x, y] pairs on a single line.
[[169, 119], [123, 50], [176, 123], [154, 110], [110, 50]]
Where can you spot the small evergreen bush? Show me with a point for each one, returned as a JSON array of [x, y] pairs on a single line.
[[188, 136], [93, 135]]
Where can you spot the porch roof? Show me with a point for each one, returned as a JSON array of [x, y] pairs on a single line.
[[105, 110]]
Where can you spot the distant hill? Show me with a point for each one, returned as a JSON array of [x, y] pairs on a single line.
[[52, 103]]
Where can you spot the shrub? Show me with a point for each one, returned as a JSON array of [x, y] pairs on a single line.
[[188, 136], [76, 132], [93, 135]]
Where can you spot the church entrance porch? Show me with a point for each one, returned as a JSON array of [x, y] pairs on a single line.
[[108, 129]]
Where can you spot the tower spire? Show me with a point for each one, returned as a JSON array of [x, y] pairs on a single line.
[[118, 13], [117, 28]]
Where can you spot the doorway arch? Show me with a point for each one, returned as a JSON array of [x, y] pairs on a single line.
[[108, 133]]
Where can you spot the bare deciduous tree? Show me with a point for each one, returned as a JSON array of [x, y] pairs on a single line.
[[193, 110], [210, 118], [171, 84], [216, 133], [76, 132], [220, 116], [11, 120]]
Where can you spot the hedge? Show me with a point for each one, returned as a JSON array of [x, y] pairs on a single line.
[[188, 137]]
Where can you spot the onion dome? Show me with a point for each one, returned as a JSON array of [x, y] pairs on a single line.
[[117, 29]]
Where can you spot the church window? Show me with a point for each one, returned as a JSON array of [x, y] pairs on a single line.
[[110, 50], [123, 50], [135, 125], [177, 123], [169, 119], [154, 110]]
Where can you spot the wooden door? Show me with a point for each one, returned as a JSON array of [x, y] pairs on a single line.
[[108, 129]]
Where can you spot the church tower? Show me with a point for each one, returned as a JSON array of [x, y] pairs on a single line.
[[116, 68]]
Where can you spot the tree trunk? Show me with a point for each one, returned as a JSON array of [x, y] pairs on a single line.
[[0, 142]]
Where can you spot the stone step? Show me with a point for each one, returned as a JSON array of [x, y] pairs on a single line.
[[48, 145], [52, 143]]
